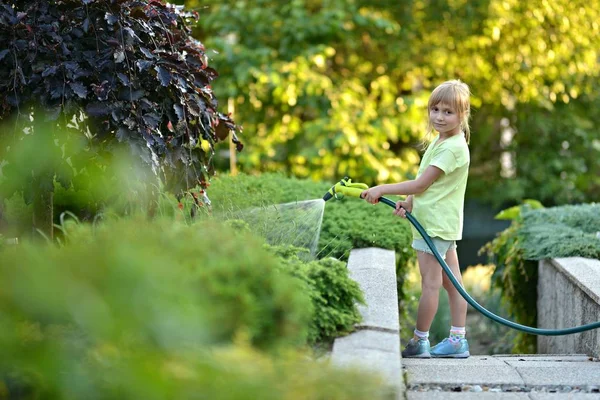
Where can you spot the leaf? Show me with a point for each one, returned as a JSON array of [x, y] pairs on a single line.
[[65, 49], [515, 211], [13, 100], [3, 53], [152, 120], [182, 84], [98, 109], [222, 131], [144, 65], [123, 78], [533, 204], [53, 112], [179, 111], [131, 95], [123, 134], [132, 35], [119, 56], [50, 71], [57, 91], [147, 53], [86, 24], [110, 18], [79, 89], [147, 104], [163, 74], [193, 109], [64, 177], [77, 32], [131, 124]]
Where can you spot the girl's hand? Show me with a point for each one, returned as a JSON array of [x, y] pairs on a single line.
[[371, 195], [402, 207]]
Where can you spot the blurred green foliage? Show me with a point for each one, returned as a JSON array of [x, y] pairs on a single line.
[[115, 281], [327, 89], [534, 234], [132, 308]]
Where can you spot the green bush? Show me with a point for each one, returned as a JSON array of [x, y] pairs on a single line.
[[347, 223], [234, 371], [135, 309], [564, 231], [164, 280], [534, 234], [333, 293]]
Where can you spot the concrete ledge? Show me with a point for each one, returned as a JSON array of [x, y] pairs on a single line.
[[375, 346], [568, 296]]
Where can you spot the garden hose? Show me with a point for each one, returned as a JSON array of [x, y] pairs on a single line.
[[353, 189]]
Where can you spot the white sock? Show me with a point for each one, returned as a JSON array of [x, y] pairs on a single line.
[[421, 335]]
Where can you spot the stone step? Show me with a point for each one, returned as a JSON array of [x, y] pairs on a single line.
[[504, 377]]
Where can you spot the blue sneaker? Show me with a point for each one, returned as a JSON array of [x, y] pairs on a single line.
[[447, 349], [417, 349]]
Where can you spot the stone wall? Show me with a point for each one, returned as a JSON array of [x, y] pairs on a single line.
[[375, 345], [568, 296]]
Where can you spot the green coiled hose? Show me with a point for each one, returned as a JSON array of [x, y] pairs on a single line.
[[477, 306]]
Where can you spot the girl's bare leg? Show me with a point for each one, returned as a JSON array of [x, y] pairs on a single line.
[[431, 282], [458, 305]]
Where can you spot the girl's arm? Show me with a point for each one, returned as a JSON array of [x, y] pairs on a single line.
[[416, 186]]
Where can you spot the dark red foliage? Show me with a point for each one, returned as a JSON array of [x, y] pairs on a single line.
[[131, 66]]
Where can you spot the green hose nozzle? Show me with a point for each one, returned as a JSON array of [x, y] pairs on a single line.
[[347, 187]]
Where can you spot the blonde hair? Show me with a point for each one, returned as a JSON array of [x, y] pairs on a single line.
[[457, 95]]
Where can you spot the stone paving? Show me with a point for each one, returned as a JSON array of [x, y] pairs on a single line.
[[375, 347], [533, 377]]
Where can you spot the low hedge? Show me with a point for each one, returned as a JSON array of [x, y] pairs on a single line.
[[347, 223], [537, 233]]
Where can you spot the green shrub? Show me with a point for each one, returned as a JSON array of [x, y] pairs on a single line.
[[534, 234], [333, 293], [234, 193], [134, 309], [347, 223], [235, 371], [564, 231], [167, 281]]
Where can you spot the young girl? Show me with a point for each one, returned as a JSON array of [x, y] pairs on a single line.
[[436, 200]]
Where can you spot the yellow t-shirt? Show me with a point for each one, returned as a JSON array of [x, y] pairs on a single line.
[[439, 209]]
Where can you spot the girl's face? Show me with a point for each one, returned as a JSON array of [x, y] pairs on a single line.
[[444, 119]]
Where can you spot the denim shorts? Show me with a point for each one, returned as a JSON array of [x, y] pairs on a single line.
[[441, 245]]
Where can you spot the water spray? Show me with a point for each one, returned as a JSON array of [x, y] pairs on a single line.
[[355, 189]]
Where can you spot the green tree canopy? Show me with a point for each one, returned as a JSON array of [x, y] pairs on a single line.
[[325, 89]]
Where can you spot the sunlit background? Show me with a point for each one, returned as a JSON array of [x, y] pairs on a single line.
[[325, 89]]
